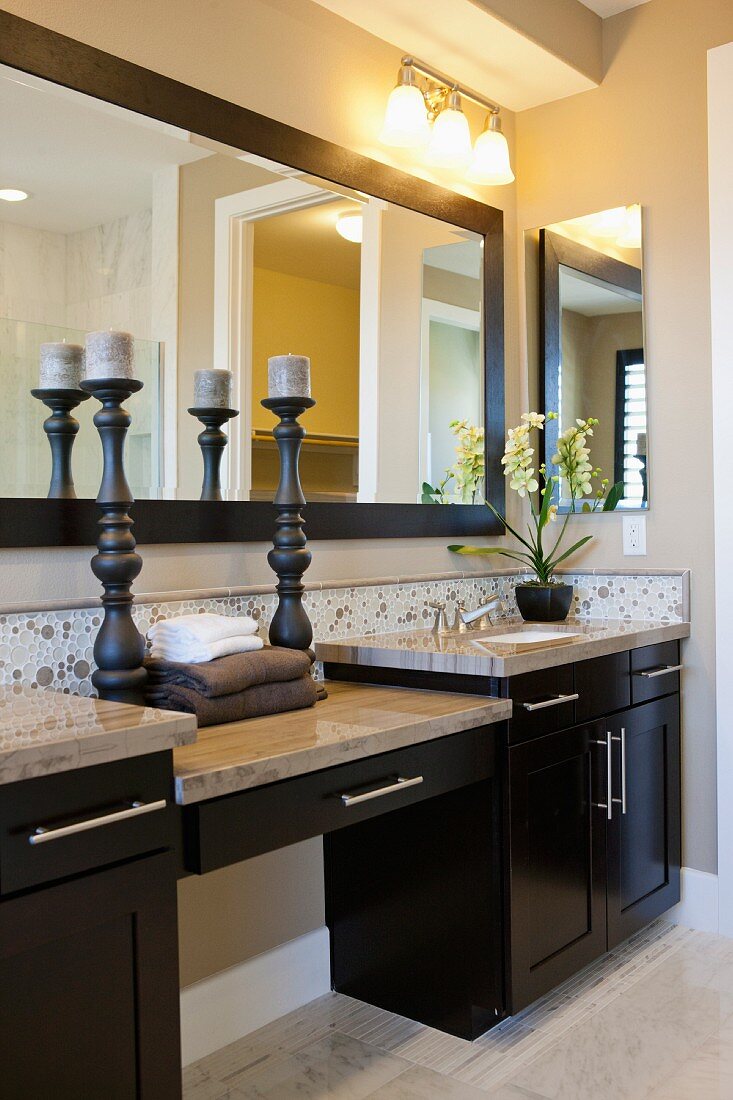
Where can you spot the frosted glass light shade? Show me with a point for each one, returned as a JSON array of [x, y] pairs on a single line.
[[450, 143], [350, 227], [631, 235], [406, 118], [490, 164]]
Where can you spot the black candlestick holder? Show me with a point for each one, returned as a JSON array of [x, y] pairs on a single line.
[[289, 557], [61, 428], [212, 441], [119, 647]]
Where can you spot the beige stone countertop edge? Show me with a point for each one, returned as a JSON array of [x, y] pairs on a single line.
[[215, 782], [85, 749], [490, 664]]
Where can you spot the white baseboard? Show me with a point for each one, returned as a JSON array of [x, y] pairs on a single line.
[[698, 907], [228, 1005]]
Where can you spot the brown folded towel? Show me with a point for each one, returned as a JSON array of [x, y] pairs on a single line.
[[236, 673], [270, 698]]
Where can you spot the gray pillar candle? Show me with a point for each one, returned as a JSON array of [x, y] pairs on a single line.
[[289, 376], [109, 355], [62, 366], [212, 389]]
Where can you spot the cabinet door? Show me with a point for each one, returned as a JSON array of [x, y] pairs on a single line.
[[556, 859], [644, 833], [89, 987]]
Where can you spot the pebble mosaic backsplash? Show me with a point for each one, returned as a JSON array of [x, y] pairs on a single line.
[[54, 648]]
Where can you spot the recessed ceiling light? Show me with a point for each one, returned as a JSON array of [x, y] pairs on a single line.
[[12, 194]]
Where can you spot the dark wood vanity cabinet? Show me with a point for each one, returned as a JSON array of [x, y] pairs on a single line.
[[556, 841], [644, 841], [89, 992], [593, 830]]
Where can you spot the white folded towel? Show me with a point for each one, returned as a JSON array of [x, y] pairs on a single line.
[[202, 629], [199, 653]]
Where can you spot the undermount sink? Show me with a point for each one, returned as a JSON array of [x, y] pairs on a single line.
[[529, 636]]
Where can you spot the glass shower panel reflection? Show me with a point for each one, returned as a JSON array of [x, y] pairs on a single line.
[[25, 457]]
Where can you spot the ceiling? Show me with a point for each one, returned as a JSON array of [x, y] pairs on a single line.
[[464, 39], [83, 162], [583, 294], [305, 243], [604, 8]]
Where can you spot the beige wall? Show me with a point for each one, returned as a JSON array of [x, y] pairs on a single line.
[[641, 137]]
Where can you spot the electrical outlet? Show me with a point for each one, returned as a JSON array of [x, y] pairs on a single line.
[[634, 535]]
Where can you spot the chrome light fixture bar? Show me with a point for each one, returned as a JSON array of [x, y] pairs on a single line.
[[412, 110]]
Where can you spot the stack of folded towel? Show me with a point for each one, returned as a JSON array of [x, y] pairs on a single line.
[[228, 688], [194, 639]]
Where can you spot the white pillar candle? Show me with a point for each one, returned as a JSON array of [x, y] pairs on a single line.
[[62, 366], [212, 389], [109, 355], [289, 376]]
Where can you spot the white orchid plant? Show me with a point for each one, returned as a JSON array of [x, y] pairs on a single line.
[[467, 471], [574, 468]]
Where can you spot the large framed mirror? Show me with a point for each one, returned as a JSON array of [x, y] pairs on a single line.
[[219, 238], [591, 346]]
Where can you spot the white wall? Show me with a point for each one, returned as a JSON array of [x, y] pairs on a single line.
[[720, 169]]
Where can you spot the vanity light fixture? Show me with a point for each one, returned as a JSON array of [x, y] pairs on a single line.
[[350, 227], [12, 194], [491, 164], [413, 109]]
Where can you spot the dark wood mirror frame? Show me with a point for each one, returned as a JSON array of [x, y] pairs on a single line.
[[39, 522], [557, 251]]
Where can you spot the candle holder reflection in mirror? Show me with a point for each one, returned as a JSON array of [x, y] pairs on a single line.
[[61, 428], [212, 441], [290, 557], [119, 647]]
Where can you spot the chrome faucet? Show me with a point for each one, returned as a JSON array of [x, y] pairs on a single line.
[[478, 618]]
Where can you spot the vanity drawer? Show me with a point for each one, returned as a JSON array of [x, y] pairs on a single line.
[[226, 830], [543, 702], [655, 671], [77, 811], [603, 686]]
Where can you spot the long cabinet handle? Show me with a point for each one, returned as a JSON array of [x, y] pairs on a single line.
[[41, 835], [653, 673], [555, 701], [622, 741], [608, 804], [398, 785]]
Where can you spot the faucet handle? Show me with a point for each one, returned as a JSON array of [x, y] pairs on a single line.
[[440, 626]]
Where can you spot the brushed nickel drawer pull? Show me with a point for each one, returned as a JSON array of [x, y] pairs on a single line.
[[399, 785], [622, 799], [41, 834], [659, 671], [555, 701]]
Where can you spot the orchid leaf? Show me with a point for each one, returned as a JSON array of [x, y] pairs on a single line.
[[614, 496], [573, 548]]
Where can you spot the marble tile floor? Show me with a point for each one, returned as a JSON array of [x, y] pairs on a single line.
[[653, 1020]]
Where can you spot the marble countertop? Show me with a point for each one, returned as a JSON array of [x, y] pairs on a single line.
[[43, 731], [468, 655], [355, 721]]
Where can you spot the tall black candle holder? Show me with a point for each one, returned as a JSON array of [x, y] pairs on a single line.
[[212, 441], [119, 647], [289, 557], [61, 428]]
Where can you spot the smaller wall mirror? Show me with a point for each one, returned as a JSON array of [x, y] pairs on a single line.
[[587, 316]]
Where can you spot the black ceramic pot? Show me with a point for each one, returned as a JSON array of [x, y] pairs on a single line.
[[544, 603]]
